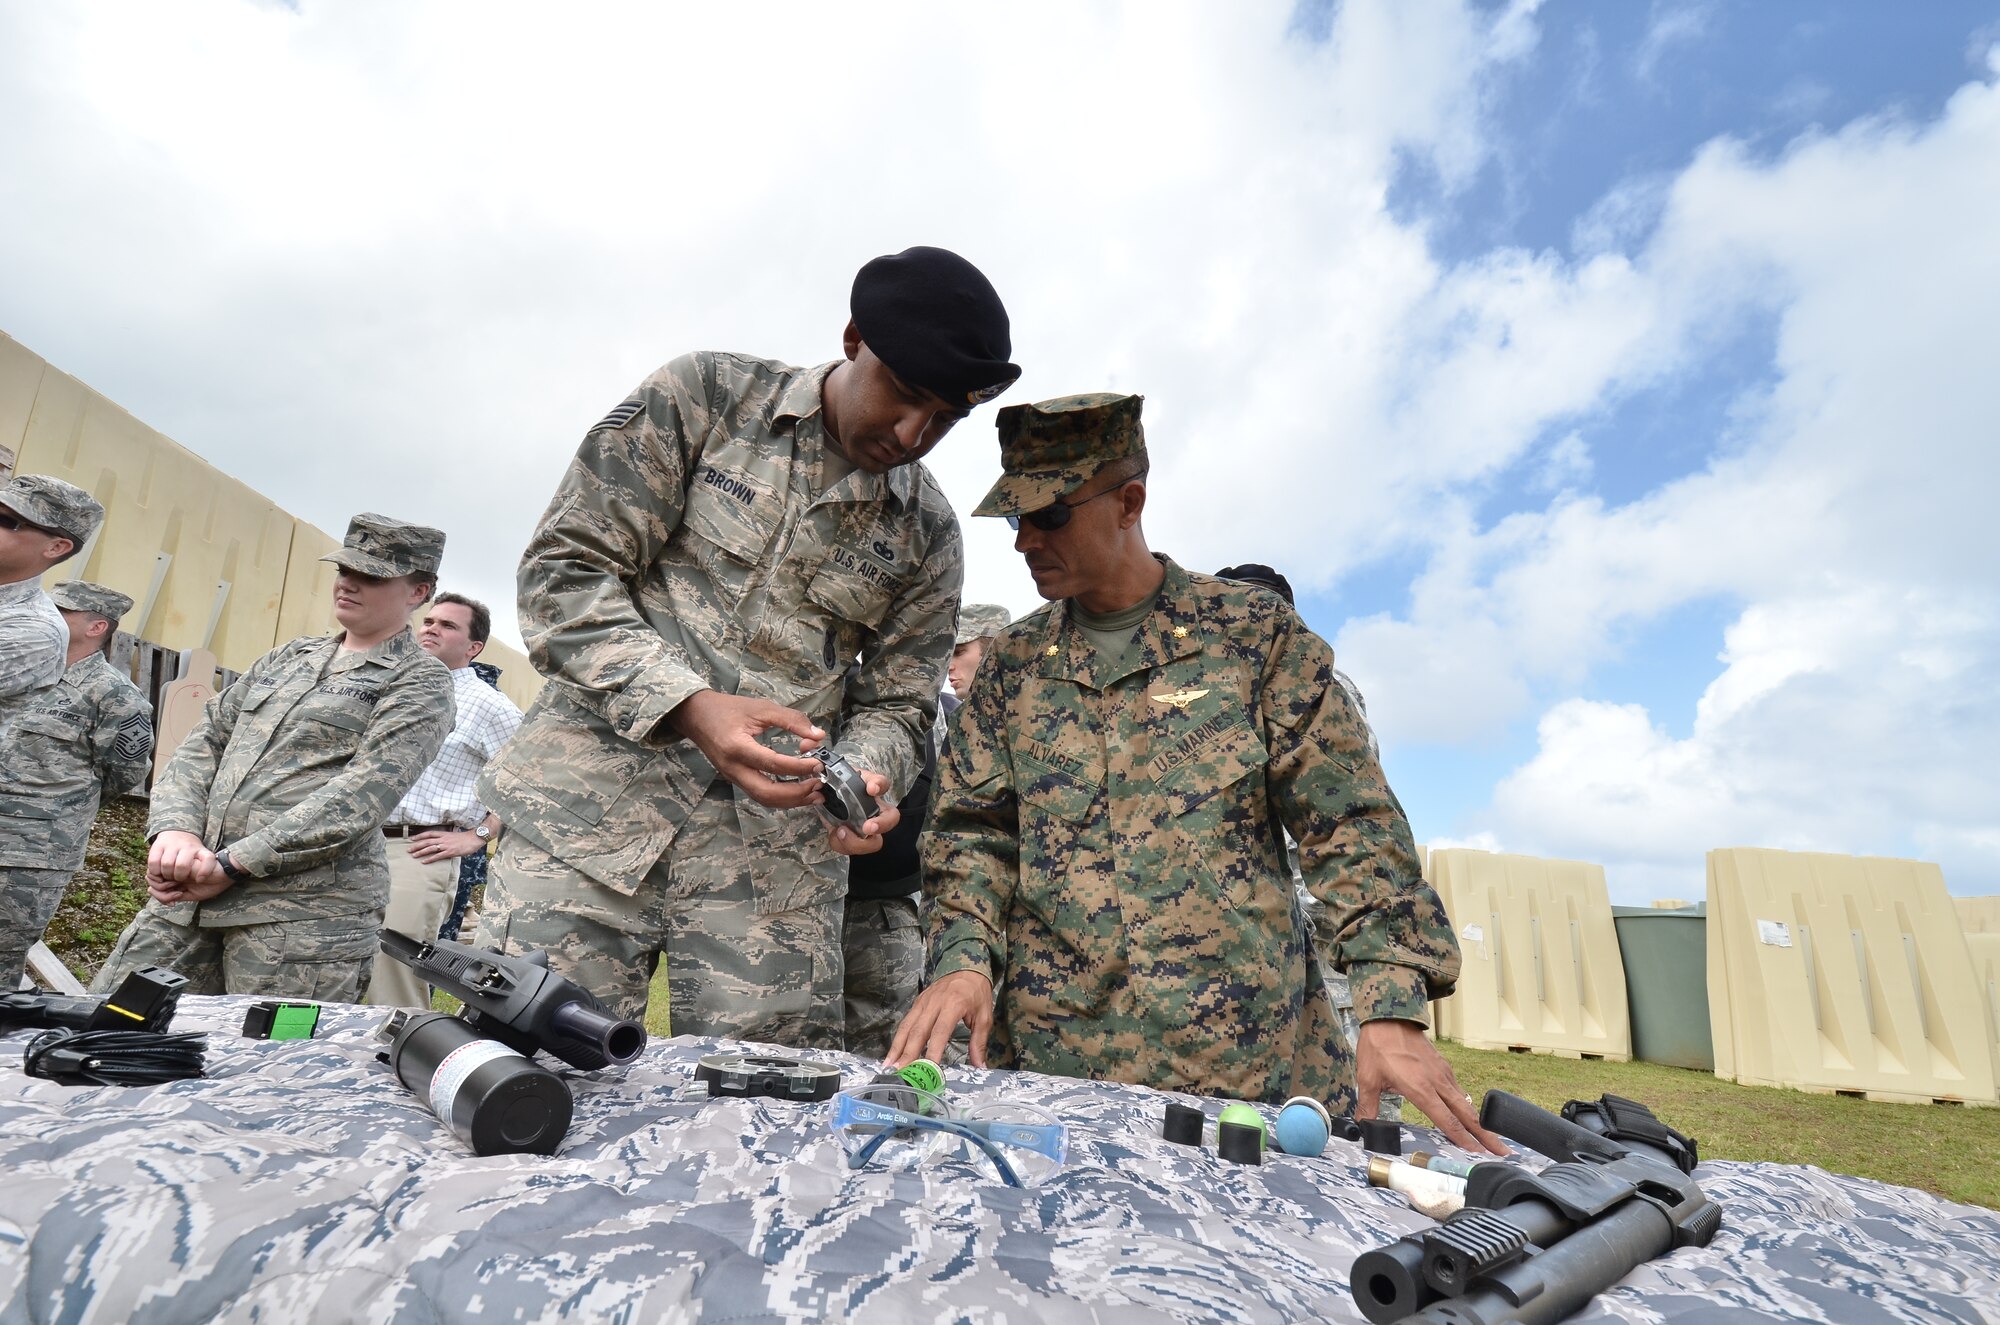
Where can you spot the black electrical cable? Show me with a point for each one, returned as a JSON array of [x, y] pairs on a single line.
[[114, 1058]]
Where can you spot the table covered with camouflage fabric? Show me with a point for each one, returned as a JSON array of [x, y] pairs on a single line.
[[299, 1182]]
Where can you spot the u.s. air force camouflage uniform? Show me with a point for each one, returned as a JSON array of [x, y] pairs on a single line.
[[88, 736], [695, 544], [34, 641], [292, 769], [33, 645], [291, 772]]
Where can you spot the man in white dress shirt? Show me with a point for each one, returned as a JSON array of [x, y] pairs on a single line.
[[441, 819]]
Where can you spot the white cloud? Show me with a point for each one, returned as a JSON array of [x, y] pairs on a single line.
[[364, 240], [1859, 721], [1671, 26], [1564, 465], [1851, 514]]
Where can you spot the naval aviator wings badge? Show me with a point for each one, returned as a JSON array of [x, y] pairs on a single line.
[[1178, 699]]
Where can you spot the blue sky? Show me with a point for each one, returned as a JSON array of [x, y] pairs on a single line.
[[1584, 136], [1612, 379]]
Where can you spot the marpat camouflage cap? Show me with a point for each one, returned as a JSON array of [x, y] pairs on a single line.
[[83, 596], [1054, 446], [385, 548], [53, 504], [981, 620]]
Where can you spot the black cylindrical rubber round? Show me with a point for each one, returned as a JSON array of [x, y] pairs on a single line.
[[1381, 1135], [1183, 1125], [1240, 1143]]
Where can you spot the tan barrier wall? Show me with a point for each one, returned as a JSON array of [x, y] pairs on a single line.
[[1978, 915], [1443, 1011], [209, 562], [1843, 973], [1984, 950], [1541, 964]]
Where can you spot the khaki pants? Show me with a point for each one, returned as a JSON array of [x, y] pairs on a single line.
[[420, 897], [737, 966]]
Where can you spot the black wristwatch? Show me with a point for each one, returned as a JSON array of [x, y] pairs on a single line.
[[229, 870]]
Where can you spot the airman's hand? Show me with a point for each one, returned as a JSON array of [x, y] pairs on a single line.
[[177, 857], [180, 869], [868, 840], [726, 728], [962, 996]]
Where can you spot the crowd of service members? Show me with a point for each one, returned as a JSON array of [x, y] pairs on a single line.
[[1141, 835]]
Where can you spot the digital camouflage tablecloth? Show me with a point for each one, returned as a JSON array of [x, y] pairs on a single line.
[[300, 1182]]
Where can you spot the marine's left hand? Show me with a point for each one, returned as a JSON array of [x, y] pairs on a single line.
[[869, 840], [1394, 1055]]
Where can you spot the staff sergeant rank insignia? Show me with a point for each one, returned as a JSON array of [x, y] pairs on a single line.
[[1179, 699], [622, 415]]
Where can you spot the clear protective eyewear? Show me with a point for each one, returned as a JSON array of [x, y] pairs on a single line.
[[901, 1128]]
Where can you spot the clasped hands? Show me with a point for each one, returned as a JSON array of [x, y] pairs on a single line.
[[725, 728], [180, 869]]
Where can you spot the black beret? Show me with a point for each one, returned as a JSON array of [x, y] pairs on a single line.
[[1255, 572], [937, 322]]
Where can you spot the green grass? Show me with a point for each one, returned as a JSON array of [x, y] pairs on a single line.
[[656, 1006], [106, 892], [1944, 1149]]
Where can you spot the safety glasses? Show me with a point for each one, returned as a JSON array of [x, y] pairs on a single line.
[[1053, 517], [903, 1128]]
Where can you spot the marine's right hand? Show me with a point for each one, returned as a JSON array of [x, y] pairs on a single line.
[[963, 996], [177, 859], [726, 728]]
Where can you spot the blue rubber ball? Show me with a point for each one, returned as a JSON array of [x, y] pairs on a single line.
[[1301, 1130]]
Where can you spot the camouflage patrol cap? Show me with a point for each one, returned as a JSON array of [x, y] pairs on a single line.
[[980, 620], [53, 504], [1056, 446], [385, 548], [83, 596]]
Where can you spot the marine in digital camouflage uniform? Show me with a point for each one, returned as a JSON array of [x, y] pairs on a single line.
[[43, 523], [1106, 843], [86, 737], [736, 531], [287, 779], [1325, 930]]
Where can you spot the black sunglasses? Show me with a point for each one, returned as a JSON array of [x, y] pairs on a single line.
[[1053, 517], [9, 520]]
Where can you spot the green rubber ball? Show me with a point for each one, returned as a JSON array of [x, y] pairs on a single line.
[[1247, 1115]]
